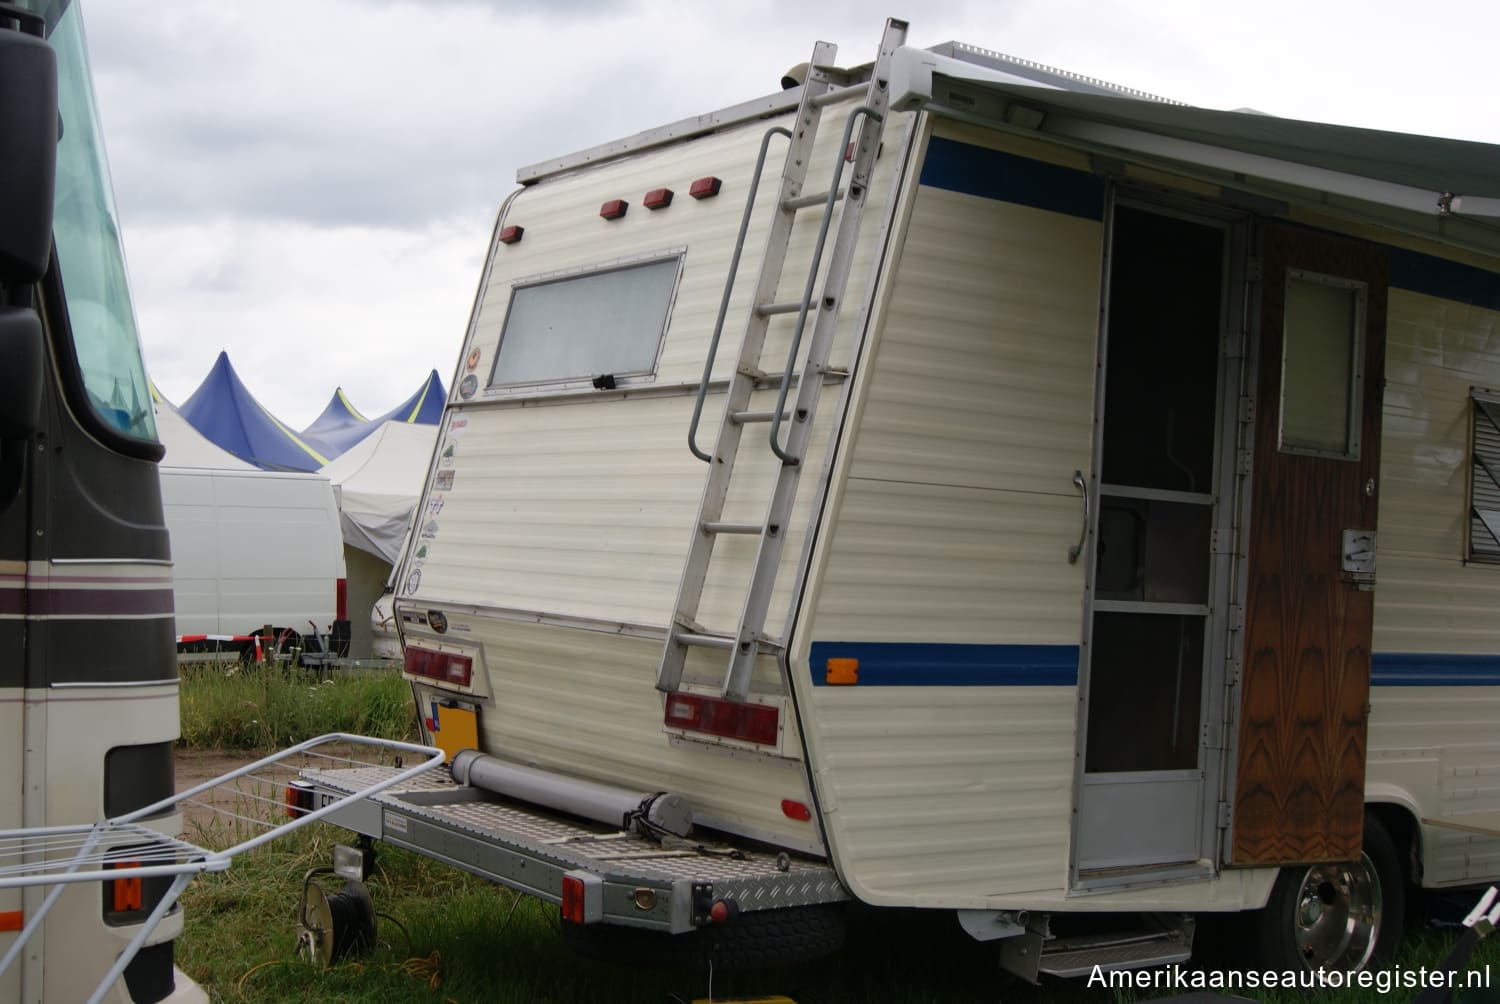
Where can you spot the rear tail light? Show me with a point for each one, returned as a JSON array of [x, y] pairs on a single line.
[[341, 599], [299, 799], [445, 667], [751, 723], [582, 898]]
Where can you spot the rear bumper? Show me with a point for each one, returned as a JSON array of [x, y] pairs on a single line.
[[666, 885]]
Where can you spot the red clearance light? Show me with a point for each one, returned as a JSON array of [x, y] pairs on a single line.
[[341, 599], [752, 723], [614, 209], [446, 667], [705, 188], [658, 198], [792, 809], [572, 899], [511, 234]]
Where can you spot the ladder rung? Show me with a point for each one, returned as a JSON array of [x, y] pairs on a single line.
[[741, 417], [834, 95], [807, 201], [732, 527], [706, 640], [789, 307]]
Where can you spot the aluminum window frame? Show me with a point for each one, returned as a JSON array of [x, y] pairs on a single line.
[[494, 389], [1354, 409]]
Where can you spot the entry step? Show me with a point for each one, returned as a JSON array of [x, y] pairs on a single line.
[[1074, 957]]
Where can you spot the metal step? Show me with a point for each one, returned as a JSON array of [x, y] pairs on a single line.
[[1074, 957]]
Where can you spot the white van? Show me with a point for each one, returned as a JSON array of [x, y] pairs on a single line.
[[253, 550]]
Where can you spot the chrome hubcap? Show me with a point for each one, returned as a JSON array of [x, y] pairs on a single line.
[[1338, 915]]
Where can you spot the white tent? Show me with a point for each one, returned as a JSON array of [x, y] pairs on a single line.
[[186, 446], [378, 482]]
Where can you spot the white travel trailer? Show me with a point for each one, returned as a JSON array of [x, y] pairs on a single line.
[[1033, 569]]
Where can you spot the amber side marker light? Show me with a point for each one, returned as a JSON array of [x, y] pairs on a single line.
[[126, 893], [842, 672]]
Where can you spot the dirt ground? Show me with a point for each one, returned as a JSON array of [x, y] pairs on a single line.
[[241, 808]]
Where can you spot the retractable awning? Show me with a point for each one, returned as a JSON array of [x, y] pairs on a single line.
[[1440, 178]]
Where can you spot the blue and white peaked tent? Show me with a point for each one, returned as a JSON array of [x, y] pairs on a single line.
[[332, 433], [224, 410]]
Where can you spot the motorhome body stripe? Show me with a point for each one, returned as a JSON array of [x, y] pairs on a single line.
[[909, 664], [70, 602], [1444, 279], [917, 664], [1425, 669], [991, 174]]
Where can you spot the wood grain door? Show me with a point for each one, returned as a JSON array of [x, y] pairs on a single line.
[[1299, 783]]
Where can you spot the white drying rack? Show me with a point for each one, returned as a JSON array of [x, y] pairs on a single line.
[[128, 847]]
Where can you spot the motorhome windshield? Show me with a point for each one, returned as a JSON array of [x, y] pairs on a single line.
[[87, 235]]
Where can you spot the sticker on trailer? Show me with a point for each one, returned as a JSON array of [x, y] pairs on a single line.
[[414, 580], [395, 823], [444, 481], [473, 360], [435, 507], [468, 387], [430, 529], [448, 453]]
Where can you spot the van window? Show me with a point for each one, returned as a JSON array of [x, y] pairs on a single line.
[[1484, 479], [603, 322]]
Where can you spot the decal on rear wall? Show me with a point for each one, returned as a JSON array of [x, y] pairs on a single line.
[[468, 387], [443, 482]]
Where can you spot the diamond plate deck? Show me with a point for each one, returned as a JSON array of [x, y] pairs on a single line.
[[758, 880]]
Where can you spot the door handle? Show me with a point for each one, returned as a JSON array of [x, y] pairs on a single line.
[[1083, 531]]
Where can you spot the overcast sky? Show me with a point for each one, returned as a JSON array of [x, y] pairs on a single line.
[[311, 186]]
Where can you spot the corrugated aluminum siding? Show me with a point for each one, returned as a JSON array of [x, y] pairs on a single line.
[[953, 525], [576, 510], [1428, 601]]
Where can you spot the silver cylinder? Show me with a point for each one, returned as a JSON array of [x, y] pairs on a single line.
[[603, 803]]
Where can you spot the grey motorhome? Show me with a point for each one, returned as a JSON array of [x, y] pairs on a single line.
[[1032, 571], [88, 671]]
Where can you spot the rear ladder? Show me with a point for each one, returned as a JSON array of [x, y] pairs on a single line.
[[749, 639]]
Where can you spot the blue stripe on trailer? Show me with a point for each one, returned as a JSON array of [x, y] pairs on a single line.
[[990, 174], [1424, 669], [918, 664], [1444, 279]]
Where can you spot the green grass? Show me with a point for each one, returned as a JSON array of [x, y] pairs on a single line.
[[263, 707], [448, 937]]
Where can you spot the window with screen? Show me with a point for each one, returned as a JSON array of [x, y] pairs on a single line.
[[1321, 369], [605, 323], [1484, 478]]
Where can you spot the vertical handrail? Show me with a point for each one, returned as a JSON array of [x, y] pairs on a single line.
[[734, 268], [812, 281]]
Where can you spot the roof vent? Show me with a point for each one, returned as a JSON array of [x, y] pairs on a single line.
[[795, 77]]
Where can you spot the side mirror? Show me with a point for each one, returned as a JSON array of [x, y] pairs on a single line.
[[28, 154], [21, 349]]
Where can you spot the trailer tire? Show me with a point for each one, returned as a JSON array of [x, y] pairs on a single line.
[[759, 939], [1341, 916]]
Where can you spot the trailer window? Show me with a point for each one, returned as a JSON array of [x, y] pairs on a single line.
[[1321, 365], [607, 322], [1484, 479]]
